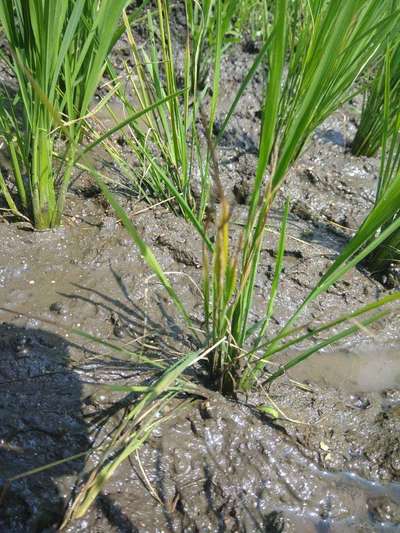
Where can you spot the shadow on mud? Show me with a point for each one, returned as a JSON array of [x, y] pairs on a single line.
[[130, 320], [41, 422]]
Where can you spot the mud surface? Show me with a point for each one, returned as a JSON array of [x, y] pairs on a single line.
[[329, 463]]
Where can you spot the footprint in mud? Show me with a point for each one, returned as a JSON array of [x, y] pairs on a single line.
[[40, 423]]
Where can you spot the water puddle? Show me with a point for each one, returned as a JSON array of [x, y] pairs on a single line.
[[368, 370]]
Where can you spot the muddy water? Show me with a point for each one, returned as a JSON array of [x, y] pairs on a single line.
[[373, 370], [223, 466]]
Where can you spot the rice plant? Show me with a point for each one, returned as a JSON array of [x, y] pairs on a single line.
[[167, 145], [235, 350], [229, 270], [384, 262], [241, 348], [312, 67], [370, 129], [159, 141], [57, 51], [386, 82], [384, 123], [327, 50], [250, 22]]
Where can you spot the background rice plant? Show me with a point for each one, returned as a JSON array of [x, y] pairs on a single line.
[[316, 53], [384, 261], [384, 85], [327, 49], [168, 146], [250, 22], [159, 142], [58, 51]]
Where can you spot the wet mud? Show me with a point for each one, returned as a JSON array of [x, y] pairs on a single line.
[[329, 462]]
